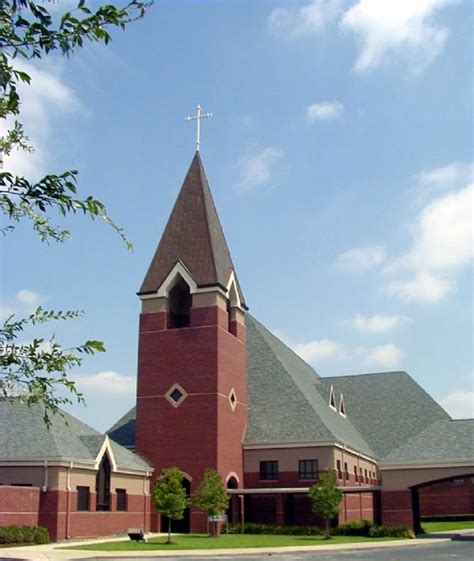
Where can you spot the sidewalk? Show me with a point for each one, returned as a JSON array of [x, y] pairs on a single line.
[[51, 552]]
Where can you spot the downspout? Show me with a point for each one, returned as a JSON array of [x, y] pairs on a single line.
[[46, 476], [68, 499]]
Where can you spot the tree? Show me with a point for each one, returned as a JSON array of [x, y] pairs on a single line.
[[326, 498], [169, 496], [28, 31], [211, 496]]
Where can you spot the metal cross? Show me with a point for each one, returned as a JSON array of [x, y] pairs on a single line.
[[198, 118]]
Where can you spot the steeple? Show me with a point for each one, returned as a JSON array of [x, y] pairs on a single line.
[[193, 238]]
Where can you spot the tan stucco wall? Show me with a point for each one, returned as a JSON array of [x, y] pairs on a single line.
[[352, 461], [209, 300], [288, 458], [404, 478], [154, 305]]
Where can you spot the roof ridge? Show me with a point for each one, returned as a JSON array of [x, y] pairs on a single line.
[[366, 374]]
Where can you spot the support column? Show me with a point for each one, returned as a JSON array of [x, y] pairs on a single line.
[[280, 509]]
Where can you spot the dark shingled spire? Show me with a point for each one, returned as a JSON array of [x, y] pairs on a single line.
[[193, 236]]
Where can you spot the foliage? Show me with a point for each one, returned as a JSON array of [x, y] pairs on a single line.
[[211, 496], [23, 535], [169, 496], [274, 530], [326, 497], [29, 373], [353, 528], [403, 531], [29, 32]]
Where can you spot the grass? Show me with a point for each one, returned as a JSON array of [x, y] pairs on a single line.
[[430, 527], [200, 541]]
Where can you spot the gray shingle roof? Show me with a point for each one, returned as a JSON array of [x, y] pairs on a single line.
[[443, 440], [284, 402], [124, 429], [24, 435], [386, 408]]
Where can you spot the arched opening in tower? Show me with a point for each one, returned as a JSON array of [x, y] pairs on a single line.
[[180, 301]]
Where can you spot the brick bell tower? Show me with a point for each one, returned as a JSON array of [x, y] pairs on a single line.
[[192, 361]]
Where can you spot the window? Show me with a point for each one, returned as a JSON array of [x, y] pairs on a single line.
[[121, 499], [308, 469], [339, 472], [332, 399], [269, 470], [83, 498], [102, 484], [342, 407], [356, 477], [366, 477], [346, 470]]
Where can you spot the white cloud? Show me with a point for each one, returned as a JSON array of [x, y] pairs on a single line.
[[107, 382], [455, 174], [320, 349], [402, 30], [459, 404], [24, 303], [324, 111], [257, 170], [362, 258], [306, 19], [442, 246], [423, 288], [385, 31], [379, 323], [43, 103], [387, 356]]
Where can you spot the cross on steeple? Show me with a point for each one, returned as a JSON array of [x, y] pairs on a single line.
[[198, 118]]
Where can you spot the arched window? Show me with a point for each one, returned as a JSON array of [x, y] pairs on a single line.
[[180, 301], [102, 484]]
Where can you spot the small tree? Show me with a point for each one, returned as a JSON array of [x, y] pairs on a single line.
[[169, 496], [326, 498], [211, 496]]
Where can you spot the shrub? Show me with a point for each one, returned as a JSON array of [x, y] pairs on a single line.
[[23, 534], [403, 531], [354, 528], [274, 530]]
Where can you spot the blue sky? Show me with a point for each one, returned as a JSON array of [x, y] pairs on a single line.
[[340, 159]]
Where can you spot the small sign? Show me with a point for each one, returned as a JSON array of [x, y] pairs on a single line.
[[218, 518]]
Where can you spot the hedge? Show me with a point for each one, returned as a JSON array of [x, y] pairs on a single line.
[[274, 530], [23, 534]]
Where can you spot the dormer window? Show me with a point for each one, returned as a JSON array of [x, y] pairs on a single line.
[[180, 301], [342, 407], [332, 399]]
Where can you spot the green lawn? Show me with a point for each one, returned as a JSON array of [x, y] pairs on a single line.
[[200, 541], [447, 526]]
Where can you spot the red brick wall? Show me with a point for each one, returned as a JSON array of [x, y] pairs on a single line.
[[447, 498], [397, 508], [207, 361], [19, 505], [54, 508]]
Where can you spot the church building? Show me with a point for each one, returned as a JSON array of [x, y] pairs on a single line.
[[215, 388]]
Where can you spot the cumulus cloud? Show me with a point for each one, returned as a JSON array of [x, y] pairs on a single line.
[[257, 170], [107, 382], [386, 356], [442, 246], [362, 258], [385, 32], [324, 111], [306, 19], [403, 30], [378, 323], [46, 100], [459, 404], [320, 349], [25, 302]]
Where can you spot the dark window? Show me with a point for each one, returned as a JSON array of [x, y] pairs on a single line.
[[269, 470], [308, 469], [83, 498], [22, 485], [346, 469], [102, 484], [121, 499], [180, 301], [339, 472], [366, 477], [356, 477], [176, 395]]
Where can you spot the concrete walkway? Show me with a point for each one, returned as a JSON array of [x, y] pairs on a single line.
[[51, 552]]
